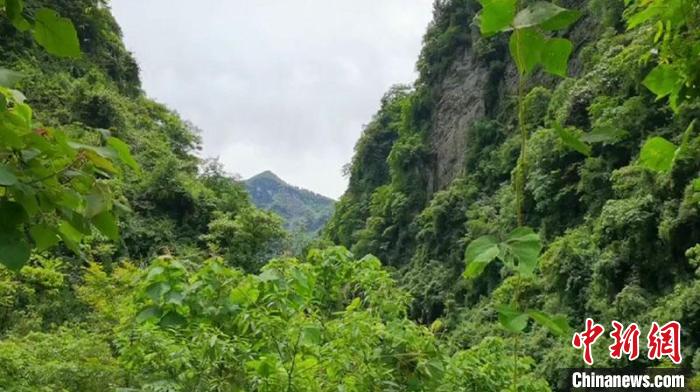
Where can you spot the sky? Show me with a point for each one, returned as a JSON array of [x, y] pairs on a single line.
[[280, 85]]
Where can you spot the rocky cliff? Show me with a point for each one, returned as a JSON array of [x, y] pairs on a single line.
[[433, 171]]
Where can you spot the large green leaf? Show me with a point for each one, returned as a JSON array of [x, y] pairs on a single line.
[[44, 237], [496, 15], [56, 34], [511, 319], [657, 154], [123, 152], [29, 202], [8, 78], [530, 48], [150, 313], [270, 275], [106, 223], [555, 56], [605, 135], [244, 294], [572, 140], [14, 250], [479, 254], [545, 15], [556, 324], [264, 367], [70, 200], [70, 235], [14, 14], [155, 272], [100, 162], [172, 320], [7, 178], [155, 291], [663, 80], [673, 13], [311, 335], [12, 214], [23, 113], [641, 17], [98, 201], [526, 48], [104, 152], [524, 246], [174, 297]]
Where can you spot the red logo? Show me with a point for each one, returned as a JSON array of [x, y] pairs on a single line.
[[586, 339], [662, 341], [665, 341], [626, 341]]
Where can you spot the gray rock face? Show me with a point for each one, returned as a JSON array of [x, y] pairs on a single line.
[[461, 103]]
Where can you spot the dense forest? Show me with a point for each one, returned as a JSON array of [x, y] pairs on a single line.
[[544, 168]]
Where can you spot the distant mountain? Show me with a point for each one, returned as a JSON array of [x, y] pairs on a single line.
[[302, 210]]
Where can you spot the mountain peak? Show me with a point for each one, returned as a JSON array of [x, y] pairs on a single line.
[[266, 174], [301, 209]]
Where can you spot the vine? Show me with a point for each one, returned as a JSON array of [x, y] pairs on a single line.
[[531, 47]]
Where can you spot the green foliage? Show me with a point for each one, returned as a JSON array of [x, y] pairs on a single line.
[[519, 252], [51, 186], [615, 230], [330, 322], [663, 80], [496, 15], [545, 15], [657, 154], [572, 140], [472, 370], [246, 240], [66, 359], [511, 319], [675, 21], [447, 35], [55, 33], [101, 90], [529, 47], [612, 195], [387, 182]]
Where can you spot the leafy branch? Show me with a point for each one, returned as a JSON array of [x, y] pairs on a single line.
[[531, 46], [52, 188]]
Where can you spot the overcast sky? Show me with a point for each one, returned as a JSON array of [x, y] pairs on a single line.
[[281, 85]]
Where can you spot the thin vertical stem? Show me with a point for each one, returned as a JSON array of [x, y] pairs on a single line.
[[519, 182], [522, 160]]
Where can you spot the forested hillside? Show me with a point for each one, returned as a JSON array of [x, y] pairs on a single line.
[[173, 203], [608, 175], [303, 212], [543, 169]]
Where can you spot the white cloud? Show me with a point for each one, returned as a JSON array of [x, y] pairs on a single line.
[[281, 85]]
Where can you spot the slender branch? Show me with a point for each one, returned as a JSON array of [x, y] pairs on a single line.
[[290, 373], [522, 160]]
